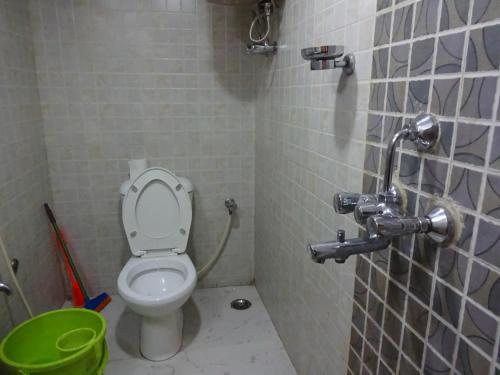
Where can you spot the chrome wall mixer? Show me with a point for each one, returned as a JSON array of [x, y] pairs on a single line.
[[382, 214]]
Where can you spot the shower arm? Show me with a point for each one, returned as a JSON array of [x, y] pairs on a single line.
[[423, 131], [391, 153]]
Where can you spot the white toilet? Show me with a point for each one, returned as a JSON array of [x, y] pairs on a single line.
[[159, 277]]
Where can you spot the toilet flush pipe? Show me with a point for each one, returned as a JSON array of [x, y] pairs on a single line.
[[231, 208], [3, 250]]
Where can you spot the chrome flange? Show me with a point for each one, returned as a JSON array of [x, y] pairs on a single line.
[[424, 131], [442, 226]]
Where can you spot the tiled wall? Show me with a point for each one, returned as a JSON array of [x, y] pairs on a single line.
[[24, 181], [310, 143], [418, 308], [163, 80], [167, 80]]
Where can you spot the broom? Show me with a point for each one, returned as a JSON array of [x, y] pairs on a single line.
[[77, 299], [97, 303]]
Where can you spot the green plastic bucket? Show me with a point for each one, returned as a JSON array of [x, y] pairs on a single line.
[[32, 347]]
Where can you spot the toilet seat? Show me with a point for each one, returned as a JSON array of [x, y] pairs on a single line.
[[157, 214]]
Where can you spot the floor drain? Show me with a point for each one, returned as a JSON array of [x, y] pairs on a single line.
[[241, 304]]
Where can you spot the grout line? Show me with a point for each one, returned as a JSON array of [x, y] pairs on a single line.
[[366, 313], [404, 322], [475, 230], [481, 198], [436, 265], [440, 33], [383, 130], [468, 120]]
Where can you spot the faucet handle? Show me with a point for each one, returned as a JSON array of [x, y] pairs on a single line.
[[439, 225], [368, 205], [395, 226], [345, 203], [364, 211]]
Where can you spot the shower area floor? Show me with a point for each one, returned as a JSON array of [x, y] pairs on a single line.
[[217, 339]]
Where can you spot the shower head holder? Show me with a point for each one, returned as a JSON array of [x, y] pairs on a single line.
[[329, 57], [266, 48]]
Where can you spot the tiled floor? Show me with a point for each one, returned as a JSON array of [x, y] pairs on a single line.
[[217, 339]]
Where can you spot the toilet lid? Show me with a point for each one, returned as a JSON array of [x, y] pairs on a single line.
[[157, 213]]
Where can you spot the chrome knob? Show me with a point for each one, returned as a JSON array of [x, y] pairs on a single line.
[[345, 203], [443, 226], [4, 288], [340, 240], [424, 131]]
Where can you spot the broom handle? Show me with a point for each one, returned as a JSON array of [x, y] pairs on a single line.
[[60, 238]]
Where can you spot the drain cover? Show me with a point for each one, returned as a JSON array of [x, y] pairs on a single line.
[[241, 304]]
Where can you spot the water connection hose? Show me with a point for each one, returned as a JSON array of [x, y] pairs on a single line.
[[3, 250], [268, 10], [252, 26], [231, 208]]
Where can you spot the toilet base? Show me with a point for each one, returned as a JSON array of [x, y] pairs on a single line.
[[161, 337]]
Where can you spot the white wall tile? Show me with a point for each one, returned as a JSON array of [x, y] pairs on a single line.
[[310, 143], [24, 180], [155, 80]]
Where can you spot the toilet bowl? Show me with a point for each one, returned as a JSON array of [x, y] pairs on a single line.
[[159, 277], [156, 288]]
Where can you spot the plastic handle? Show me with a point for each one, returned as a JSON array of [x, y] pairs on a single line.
[[50, 214]]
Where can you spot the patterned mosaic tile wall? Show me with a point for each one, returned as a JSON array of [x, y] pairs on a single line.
[[310, 142], [24, 180], [163, 80], [419, 308]]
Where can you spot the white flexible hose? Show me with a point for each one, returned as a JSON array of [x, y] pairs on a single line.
[[252, 26], [205, 269], [14, 278]]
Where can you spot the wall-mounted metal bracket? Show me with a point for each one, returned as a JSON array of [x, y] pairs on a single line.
[[329, 57], [265, 48], [5, 288], [231, 205]]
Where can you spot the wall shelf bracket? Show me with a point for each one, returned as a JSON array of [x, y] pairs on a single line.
[[329, 57]]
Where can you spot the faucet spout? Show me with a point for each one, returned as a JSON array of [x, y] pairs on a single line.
[[423, 131], [340, 251], [389, 160]]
